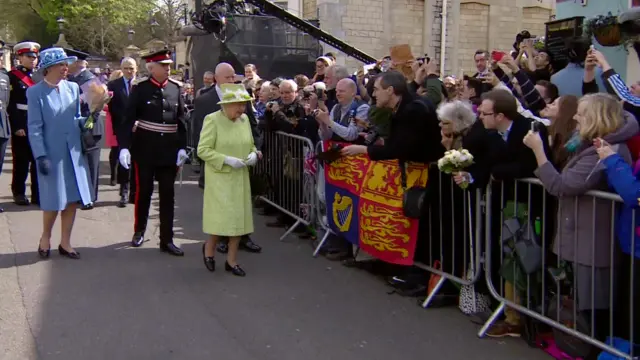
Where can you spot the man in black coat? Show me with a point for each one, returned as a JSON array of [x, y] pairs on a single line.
[[121, 88], [207, 103]]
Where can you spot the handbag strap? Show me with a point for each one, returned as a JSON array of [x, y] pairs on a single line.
[[403, 173]]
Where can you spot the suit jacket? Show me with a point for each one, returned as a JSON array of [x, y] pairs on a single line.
[[207, 103], [118, 103]]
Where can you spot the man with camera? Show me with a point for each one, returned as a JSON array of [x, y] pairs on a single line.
[[348, 118]]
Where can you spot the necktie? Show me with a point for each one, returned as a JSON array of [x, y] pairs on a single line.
[[128, 85]]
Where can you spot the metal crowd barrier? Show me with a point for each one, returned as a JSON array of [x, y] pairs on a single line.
[[287, 171], [321, 206], [575, 294], [462, 233]]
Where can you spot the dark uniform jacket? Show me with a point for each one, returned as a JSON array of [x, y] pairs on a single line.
[[18, 99], [160, 104]]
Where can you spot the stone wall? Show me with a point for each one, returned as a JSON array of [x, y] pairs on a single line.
[[373, 26]]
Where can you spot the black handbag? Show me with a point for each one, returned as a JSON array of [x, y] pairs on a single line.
[[413, 198]]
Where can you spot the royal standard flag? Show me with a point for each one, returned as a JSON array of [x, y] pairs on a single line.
[[364, 205]]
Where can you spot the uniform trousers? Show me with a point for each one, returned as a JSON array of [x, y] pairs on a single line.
[[131, 173], [166, 177], [23, 164]]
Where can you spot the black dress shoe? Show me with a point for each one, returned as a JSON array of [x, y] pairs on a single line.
[[21, 200], [113, 182], [44, 253], [35, 202], [87, 207], [137, 239], [71, 255], [1, 210], [172, 249], [235, 270], [209, 261], [222, 248], [247, 244], [123, 202]]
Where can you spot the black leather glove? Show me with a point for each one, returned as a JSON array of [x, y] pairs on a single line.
[[44, 165]]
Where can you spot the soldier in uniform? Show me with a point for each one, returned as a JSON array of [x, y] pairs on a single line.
[[155, 132], [79, 74], [5, 129], [23, 162]]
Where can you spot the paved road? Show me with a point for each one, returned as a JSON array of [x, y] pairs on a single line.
[[124, 303]]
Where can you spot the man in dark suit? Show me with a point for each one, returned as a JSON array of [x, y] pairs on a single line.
[[206, 104], [121, 88], [511, 160]]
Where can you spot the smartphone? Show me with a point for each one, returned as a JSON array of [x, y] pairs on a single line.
[[497, 55]]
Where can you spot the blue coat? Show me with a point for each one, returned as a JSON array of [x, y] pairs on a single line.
[[54, 125], [621, 178]]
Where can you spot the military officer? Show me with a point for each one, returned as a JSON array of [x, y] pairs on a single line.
[[23, 162], [154, 137], [5, 129], [79, 74]]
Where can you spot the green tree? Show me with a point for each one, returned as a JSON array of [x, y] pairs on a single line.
[[97, 26]]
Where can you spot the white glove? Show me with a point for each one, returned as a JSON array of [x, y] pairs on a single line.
[[125, 158], [252, 159], [182, 157], [234, 162]]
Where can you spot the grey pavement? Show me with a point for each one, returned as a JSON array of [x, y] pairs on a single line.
[[123, 303]]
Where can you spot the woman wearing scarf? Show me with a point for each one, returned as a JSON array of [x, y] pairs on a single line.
[[227, 149], [55, 128]]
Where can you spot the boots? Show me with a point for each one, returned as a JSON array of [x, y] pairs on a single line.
[[124, 195]]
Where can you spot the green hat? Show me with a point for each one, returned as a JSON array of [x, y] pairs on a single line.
[[233, 93]]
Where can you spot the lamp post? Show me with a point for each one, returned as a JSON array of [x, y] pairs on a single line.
[[62, 42], [154, 24], [130, 35], [131, 50]]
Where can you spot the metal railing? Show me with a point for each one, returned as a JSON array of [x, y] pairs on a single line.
[[287, 169], [575, 294], [509, 231]]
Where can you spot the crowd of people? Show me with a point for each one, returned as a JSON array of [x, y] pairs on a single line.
[[573, 127]]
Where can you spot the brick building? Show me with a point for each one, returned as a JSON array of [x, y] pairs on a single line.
[[375, 25]]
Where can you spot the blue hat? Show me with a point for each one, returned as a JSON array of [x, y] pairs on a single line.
[[54, 56]]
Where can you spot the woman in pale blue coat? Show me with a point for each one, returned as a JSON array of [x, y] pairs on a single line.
[[55, 129]]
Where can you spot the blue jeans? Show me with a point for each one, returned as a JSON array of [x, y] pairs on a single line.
[[3, 150]]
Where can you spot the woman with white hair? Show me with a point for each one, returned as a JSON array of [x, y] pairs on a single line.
[[456, 118]]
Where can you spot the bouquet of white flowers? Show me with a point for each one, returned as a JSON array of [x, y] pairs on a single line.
[[97, 96], [455, 161]]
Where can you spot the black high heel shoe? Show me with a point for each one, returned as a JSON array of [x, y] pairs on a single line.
[[71, 255], [44, 254], [235, 270], [209, 261]]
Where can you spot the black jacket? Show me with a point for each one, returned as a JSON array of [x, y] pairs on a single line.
[[414, 134]]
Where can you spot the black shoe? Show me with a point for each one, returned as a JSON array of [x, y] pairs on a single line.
[[71, 255], [35, 201], [44, 253], [235, 270], [137, 239], [1, 210], [132, 198], [123, 202], [113, 182], [247, 244], [222, 248], [209, 261], [171, 249], [87, 207], [21, 200]]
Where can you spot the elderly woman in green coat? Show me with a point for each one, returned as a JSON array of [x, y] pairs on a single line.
[[226, 147]]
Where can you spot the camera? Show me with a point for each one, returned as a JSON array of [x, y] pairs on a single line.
[[371, 137], [537, 126], [271, 103]]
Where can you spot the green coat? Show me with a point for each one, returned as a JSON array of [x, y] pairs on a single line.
[[227, 209]]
